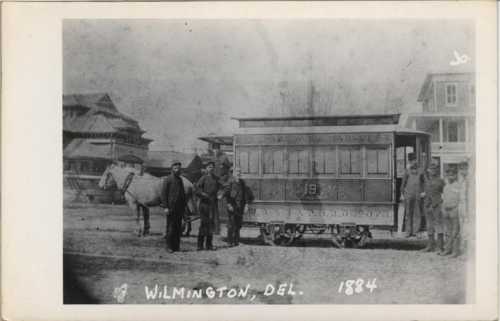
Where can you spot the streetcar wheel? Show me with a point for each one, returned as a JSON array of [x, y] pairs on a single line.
[[270, 234], [299, 231], [338, 242], [276, 234], [362, 241], [288, 235]]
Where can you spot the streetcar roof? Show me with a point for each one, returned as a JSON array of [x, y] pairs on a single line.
[[306, 121], [398, 130]]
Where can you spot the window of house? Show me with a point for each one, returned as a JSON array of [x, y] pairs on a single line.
[[324, 161], [350, 160], [451, 94], [377, 160], [472, 95], [454, 131], [248, 161], [273, 161], [298, 161], [84, 166], [67, 165]]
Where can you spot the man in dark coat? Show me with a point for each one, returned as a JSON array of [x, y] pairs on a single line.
[[413, 188], [207, 188], [433, 188], [237, 195], [173, 199]]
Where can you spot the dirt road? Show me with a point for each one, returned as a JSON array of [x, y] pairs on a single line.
[[101, 253]]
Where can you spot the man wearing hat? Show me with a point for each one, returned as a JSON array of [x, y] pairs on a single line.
[[413, 188], [237, 196], [433, 188], [207, 188], [173, 199], [451, 200], [465, 211]]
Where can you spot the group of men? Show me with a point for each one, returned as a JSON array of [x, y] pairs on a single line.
[[208, 189], [442, 202]]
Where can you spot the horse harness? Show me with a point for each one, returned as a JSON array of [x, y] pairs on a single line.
[[126, 185], [128, 181]]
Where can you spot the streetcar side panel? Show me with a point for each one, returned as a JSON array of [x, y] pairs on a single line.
[[322, 178]]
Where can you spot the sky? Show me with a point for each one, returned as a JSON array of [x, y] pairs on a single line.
[[182, 79]]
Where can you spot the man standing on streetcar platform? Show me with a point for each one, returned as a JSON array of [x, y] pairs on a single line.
[[433, 188], [237, 195], [412, 190], [207, 188], [173, 199]]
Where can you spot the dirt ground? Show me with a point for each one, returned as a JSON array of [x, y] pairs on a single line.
[[102, 253]]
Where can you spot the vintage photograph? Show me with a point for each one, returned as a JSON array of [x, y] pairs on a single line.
[[269, 161]]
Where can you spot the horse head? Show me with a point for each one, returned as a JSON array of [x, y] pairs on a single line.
[[107, 180]]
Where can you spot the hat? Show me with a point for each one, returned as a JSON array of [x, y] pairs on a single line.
[[176, 162], [210, 163], [433, 166], [451, 170]]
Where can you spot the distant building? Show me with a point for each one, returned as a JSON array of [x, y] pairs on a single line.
[[159, 163], [220, 151], [95, 134], [448, 114], [219, 143]]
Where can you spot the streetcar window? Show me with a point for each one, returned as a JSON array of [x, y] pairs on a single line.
[[324, 161], [273, 161], [350, 160], [377, 160], [249, 161], [298, 161]]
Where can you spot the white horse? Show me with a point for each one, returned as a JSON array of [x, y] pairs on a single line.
[[141, 191]]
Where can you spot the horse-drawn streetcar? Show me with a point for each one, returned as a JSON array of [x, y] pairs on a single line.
[[336, 174]]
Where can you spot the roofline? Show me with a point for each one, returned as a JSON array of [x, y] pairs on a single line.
[[316, 117], [428, 77], [216, 139], [325, 130], [435, 114]]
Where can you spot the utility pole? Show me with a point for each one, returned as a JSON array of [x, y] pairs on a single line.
[[310, 94]]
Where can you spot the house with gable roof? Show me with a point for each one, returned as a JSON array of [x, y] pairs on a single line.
[[95, 133]]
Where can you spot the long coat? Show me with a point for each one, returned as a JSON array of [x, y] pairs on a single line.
[[238, 194], [206, 188], [173, 197], [172, 194]]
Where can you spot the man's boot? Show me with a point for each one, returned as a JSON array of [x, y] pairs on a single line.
[[209, 243], [440, 244], [200, 243], [431, 244], [237, 237], [448, 248], [456, 248]]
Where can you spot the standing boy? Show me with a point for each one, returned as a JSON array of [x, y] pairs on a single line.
[[451, 200]]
